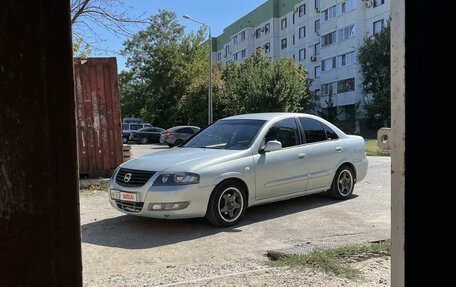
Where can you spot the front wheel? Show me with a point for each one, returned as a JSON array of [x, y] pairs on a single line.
[[343, 183], [124, 140], [227, 204], [144, 140]]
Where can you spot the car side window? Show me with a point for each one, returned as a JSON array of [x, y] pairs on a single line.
[[185, 131], [313, 130], [135, 127], [330, 134], [284, 131], [125, 126]]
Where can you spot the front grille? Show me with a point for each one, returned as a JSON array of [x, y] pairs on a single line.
[[138, 177], [130, 206]]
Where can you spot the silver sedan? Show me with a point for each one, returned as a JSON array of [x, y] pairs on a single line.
[[238, 162]]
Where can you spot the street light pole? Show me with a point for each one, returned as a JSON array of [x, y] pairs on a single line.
[[209, 98]]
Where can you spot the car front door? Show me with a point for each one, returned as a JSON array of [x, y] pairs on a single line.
[[282, 171], [323, 153]]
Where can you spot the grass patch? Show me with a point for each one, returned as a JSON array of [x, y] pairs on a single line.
[[94, 188], [336, 260], [373, 150]]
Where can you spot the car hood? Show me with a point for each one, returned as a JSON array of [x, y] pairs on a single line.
[[182, 159]]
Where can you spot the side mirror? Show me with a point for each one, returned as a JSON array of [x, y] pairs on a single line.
[[272, 146]]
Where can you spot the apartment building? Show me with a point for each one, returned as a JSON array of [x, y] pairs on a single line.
[[322, 35]]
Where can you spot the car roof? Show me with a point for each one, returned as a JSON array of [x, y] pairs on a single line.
[[265, 116], [178, 127]]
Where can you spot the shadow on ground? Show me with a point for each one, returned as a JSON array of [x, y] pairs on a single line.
[[132, 232]]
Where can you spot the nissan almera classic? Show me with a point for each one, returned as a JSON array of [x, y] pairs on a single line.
[[239, 162]]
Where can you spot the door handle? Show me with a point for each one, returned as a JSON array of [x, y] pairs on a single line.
[[339, 149], [302, 155]]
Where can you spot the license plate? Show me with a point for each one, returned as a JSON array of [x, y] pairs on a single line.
[[124, 196]]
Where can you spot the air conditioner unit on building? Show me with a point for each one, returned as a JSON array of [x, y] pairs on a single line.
[[313, 58], [368, 3], [317, 9], [318, 33], [262, 29], [295, 9]]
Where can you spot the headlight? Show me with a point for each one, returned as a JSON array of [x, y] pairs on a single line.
[[177, 178]]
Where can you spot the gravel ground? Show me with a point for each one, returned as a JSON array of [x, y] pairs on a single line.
[[120, 250]]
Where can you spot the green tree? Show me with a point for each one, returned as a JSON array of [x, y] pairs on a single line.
[[261, 84], [164, 63], [329, 113], [374, 60]]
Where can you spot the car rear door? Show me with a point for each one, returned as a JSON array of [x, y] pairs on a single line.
[[323, 153], [283, 171]]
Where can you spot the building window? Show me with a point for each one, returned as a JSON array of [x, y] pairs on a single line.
[[227, 51], [328, 39], [328, 89], [346, 85], [283, 23], [267, 47], [236, 55], [329, 64], [351, 5], [257, 33], [283, 43], [378, 25], [317, 91], [346, 59], [317, 49], [317, 5], [329, 13], [317, 26], [235, 39], [293, 39], [302, 32], [378, 2], [243, 53], [302, 54], [219, 56], [242, 35], [317, 75], [293, 18], [345, 33], [267, 28], [302, 10]]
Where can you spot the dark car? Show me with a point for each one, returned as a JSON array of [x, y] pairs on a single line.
[[177, 135], [146, 135], [127, 128]]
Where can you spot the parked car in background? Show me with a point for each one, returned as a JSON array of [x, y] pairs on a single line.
[[128, 127], [177, 135], [146, 135], [238, 162]]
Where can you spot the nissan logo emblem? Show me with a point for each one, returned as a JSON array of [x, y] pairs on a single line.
[[127, 177]]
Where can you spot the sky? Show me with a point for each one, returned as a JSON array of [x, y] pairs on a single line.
[[218, 14]]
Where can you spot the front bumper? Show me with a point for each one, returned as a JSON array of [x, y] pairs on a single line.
[[198, 198]]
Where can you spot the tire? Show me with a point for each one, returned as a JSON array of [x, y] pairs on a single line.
[[170, 145], [124, 140], [343, 183], [178, 142], [144, 140], [223, 213]]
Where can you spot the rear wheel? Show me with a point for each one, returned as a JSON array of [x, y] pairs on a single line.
[[343, 183], [227, 204], [124, 140], [178, 142], [170, 145], [144, 140]]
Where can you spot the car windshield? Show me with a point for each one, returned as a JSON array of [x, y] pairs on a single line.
[[227, 134]]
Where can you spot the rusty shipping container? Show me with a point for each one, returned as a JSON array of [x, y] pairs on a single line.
[[98, 116]]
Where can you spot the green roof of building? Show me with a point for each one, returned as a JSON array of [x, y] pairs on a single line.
[[266, 11]]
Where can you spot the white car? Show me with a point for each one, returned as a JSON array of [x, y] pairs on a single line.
[[238, 162]]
